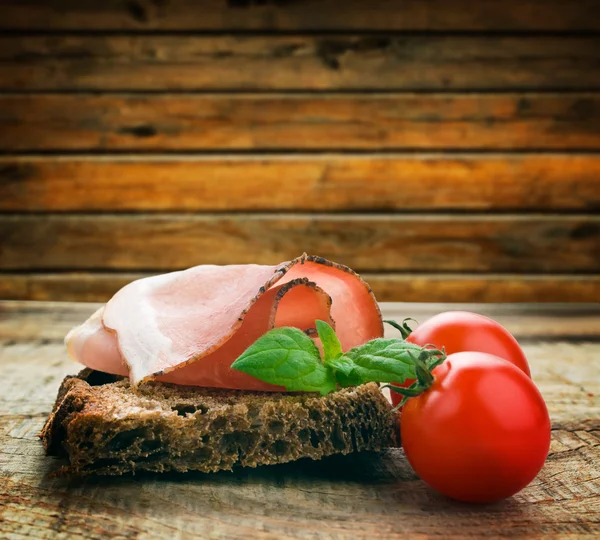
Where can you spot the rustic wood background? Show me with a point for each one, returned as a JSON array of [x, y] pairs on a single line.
[[356, 497], [447, 150]]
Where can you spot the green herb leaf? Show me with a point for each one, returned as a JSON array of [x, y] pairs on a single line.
[[287, 357], [332, 348], [385, 360], [349, 379], [342, 364]]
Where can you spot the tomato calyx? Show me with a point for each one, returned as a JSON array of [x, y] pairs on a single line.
[[424, 364]]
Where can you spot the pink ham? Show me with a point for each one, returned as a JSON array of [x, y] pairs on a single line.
[[188, 327]]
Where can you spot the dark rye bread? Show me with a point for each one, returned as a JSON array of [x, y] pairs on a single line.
[[104, 426]]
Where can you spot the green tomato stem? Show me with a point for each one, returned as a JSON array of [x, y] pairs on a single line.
[[425, 363], [403, 327]]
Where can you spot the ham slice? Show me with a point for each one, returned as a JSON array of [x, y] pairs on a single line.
[[188, 327]]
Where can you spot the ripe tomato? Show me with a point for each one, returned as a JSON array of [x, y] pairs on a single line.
[[480, 433], [459, 331]]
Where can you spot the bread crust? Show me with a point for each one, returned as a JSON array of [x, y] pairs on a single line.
[[104, 426]]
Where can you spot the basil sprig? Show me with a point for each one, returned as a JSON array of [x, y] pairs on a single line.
[[288, 357]]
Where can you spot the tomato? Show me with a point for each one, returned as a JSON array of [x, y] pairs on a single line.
[[480, 433], [459, 331]]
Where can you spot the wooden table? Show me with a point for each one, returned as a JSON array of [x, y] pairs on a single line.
[[362, 496]]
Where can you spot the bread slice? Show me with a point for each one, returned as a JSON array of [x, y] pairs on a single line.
[[104, 426]]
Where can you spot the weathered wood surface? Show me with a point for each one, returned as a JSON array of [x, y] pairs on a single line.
[[331, 182], [312, 15], [50, 321], [100, 286], [299, 62], [503, 243], [365, 496], [299, 121], [225, 108]]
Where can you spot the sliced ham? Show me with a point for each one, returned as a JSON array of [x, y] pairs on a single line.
[[188, 327]]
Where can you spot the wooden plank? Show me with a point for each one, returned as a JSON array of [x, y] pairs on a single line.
[[294, 62], [484, 288], [389, 287], [352, 497], [360, 497], [40, 321], [299, 121], [529, 323], [50, 321], [470, 243], [537, 182], [215, 15]]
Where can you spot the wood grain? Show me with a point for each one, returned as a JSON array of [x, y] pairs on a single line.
[[215, 15], [506, 243], [297, 62], [299, 121], [312, 183], [45, 322], [388, 287], [362, 496]]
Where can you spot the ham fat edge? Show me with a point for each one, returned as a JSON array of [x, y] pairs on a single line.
[[188, 327]]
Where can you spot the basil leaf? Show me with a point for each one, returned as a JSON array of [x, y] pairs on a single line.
[[332, 348], [384, 360], [287, 357], [342, 364], [350, 379]]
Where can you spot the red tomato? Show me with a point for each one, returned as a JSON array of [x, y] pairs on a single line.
[[480, 433], [459, 331]]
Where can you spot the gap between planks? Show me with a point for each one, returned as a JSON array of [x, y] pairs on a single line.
[[331, 15], [100, 286]]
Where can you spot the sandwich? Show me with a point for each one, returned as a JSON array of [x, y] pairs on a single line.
[[170, 380]]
